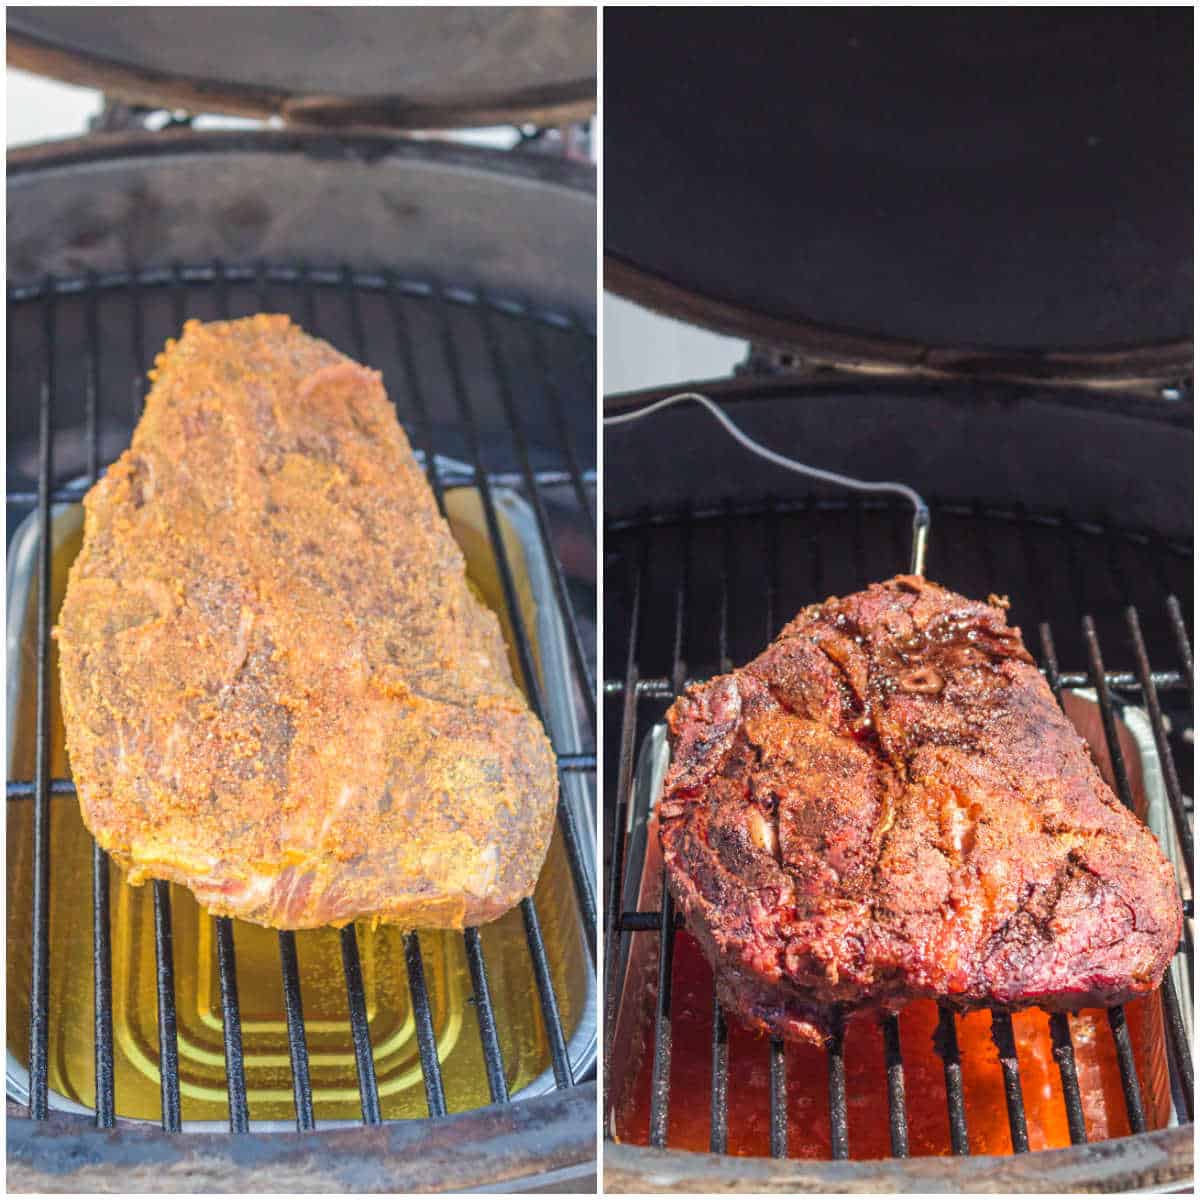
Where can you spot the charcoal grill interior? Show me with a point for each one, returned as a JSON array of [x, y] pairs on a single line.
[[496, 393], [696, 586]]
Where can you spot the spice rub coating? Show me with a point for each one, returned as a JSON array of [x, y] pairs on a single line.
[[278, 687], [888, 804]]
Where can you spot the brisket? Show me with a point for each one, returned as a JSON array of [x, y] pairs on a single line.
[[279, 689], [888, 804]]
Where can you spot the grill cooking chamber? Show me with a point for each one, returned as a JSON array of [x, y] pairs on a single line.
[[458, 274], [1076, 509]]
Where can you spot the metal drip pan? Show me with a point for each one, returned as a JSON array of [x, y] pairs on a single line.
[[523, 1037]]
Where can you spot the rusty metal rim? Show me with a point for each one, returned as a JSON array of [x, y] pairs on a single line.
[[869, 354], [552, 105], [1149, 1161], [500, 1147]]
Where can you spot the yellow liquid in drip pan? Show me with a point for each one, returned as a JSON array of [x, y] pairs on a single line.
[[521, 1028]]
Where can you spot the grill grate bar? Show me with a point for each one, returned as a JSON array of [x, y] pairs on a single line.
[[1050, 663], [221, 283], [309, 282], [102, 991], [1108, 716], [643, 922], [660, 1077], [358, 333], [718, 1138], [168, 1040], [620, 813], [492, 1058], [137, 381], [92, 391], [545, 985], [1129, 1076], [431, 1069], [577, 762], [575, 473], [1179, 1050], [679, 670], [779, 1105], [583, 670], [946, 1045], [858, 543], [360, 1028], [897, 1114], [771, 520], [297, 1039], [1002, 1035], [1166, 759], [723, 660], [416, 389], [1179, 629], [101, 929], [39, 993], [839, 1128], [179, 304], [235, 1065], [1064, 1055], [261, 286]]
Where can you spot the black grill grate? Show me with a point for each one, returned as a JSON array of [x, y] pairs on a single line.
[[1070, 568], [539, 440]]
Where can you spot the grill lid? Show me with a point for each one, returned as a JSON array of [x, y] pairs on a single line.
[[409, 68], [983, 190], [512, 224]]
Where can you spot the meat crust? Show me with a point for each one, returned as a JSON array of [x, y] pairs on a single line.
[[888, 804], [278, 688]]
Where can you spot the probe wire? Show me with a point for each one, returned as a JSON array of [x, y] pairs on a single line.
[[920, 534]]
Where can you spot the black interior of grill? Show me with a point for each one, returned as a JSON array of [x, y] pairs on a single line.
[[1009, 178], [493, 382], [709, 558]]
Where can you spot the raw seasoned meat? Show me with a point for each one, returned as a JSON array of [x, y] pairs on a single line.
[[279, 690], [888, 804]]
